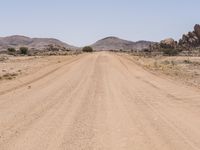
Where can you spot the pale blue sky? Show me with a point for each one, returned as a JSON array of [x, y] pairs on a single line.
[[82, 22]]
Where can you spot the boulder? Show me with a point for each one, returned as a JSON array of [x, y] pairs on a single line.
[[193, 41], [168, 43], [184, 38], [191, 34]]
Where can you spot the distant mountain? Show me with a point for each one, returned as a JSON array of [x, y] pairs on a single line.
[[115, 43], [17, 41]]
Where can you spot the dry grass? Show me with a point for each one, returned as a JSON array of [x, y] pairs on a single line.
[[186, 69]]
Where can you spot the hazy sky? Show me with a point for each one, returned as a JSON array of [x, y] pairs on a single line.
[[82, 22]]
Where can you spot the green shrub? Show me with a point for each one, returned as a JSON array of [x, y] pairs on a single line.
[[170, 52], [23, 50], [87, 49], [11, 50]]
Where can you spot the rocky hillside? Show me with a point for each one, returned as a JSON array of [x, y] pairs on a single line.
[[114, 43], [32, 43]]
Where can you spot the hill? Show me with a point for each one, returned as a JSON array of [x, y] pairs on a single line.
[[115, 43]]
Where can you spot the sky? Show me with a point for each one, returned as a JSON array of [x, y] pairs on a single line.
[[83, 22]]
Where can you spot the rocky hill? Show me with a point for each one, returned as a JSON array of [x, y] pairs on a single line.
[[114, 43], [17, 41]]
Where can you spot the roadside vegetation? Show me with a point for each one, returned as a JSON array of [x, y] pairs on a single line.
[[23, 50], [183, 68], [87, 49], [50, 50], [171, 52], [11, 50]]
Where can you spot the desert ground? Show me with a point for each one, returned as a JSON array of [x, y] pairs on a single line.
[[185, 69], [102, 100]]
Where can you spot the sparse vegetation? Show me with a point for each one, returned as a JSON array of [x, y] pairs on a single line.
[[9, 76], [2, 58], [182, 68], [187, 61], [87, 49], [170, 52]]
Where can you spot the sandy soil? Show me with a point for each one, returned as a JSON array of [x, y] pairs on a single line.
[[98, 101], [183, 69], [15, 67]]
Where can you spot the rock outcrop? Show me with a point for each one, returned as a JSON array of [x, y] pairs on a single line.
[[168, 43], [197, 30], [192, 39], [188, 41]]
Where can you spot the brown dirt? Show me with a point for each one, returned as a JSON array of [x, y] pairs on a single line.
[[98, 101]]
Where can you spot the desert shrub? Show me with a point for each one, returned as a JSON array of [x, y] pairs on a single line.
[[11, 50], [146, 50], [9, 76], [53, 48], [187, 61], [173, 63], [23, 50], [87, 49], [166, 62], [166, 46], [170, 52]]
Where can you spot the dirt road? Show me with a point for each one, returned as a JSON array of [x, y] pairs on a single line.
[[98, 101]]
